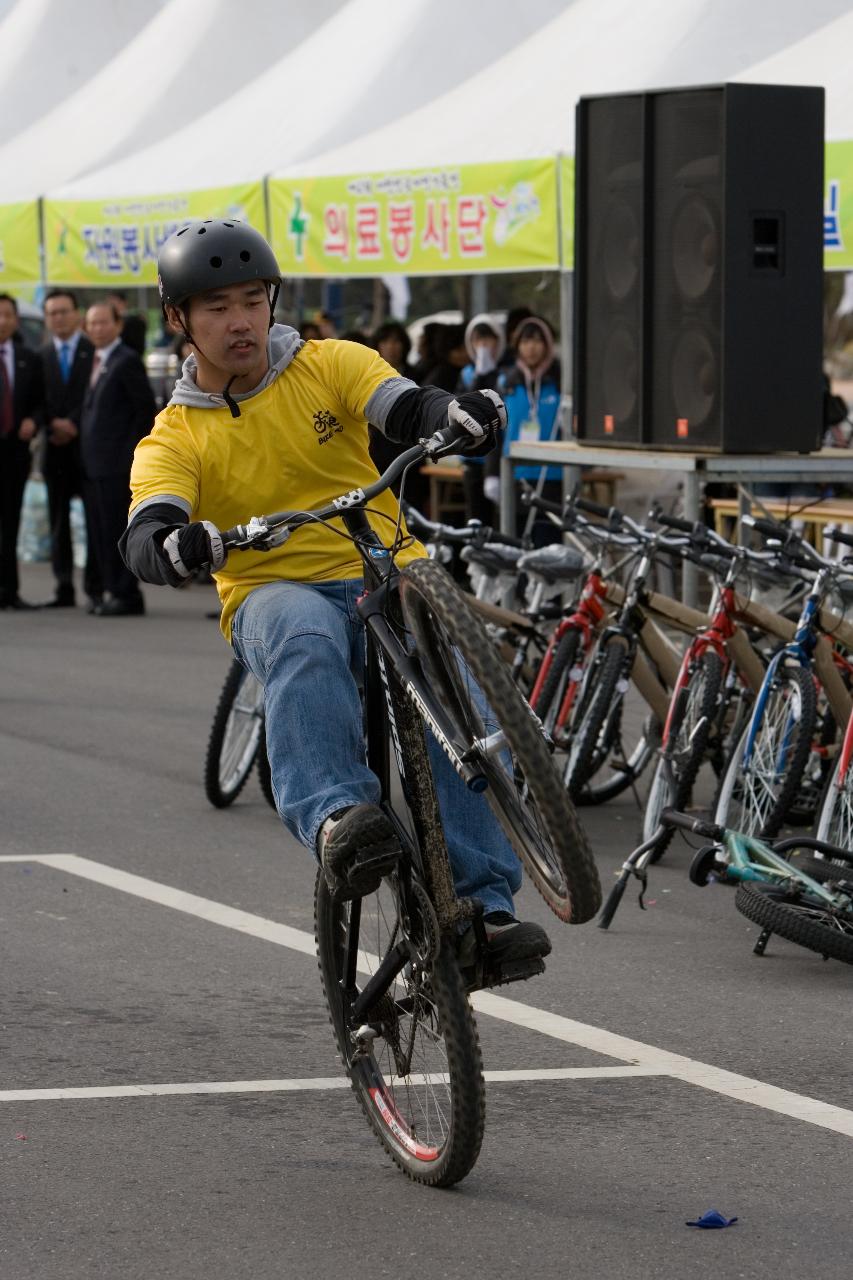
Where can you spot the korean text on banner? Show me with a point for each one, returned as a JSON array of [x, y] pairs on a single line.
[[838, 207], [458, 218], [98, 242], [20, 261]]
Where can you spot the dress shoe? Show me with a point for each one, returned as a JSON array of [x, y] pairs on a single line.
[[94, 604], [62, 600], [15, 602], [115, 607]]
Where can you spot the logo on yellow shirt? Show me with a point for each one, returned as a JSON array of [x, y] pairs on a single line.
[[326, 424]]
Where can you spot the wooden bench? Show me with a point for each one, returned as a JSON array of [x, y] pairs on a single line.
[[814, 515], [446, 496]]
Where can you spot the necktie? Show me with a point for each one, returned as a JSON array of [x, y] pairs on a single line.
[[96, 369], [65, 360], [7, 410]]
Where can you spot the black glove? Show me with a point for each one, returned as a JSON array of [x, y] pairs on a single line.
[[193, 546], [482, 414]]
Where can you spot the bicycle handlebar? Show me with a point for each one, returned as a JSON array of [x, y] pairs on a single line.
[[695, 826], [260, 528], [473, 531]]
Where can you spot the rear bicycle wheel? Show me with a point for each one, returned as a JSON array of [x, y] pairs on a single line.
[[756, 793], [799, 918], [234, 736], [693, 717], [414, 1062], [506, 739]]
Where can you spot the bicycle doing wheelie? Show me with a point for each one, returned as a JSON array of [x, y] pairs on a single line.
[[389, 963]]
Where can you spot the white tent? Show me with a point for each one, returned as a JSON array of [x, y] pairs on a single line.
[[48, 48], [369, 64], [172, 72], [523, 104], [819, 58]]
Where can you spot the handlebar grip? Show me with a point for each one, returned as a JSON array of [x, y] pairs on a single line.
[[531, 499], [833, 534], [231, 536], [592, 508], [769, 528], [696, 826], [675, 522]]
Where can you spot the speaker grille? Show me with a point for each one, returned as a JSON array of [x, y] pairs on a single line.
[[612, 195]]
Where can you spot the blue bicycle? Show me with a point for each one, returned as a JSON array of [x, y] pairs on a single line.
[[777, 769]]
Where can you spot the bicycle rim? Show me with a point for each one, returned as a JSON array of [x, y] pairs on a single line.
[[418, 1072], [234, 736]]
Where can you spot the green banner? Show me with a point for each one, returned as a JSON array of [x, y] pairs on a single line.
[[20, 261], [455, 219], [116, 242]]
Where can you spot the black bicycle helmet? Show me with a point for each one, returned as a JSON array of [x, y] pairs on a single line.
[[213, 254]]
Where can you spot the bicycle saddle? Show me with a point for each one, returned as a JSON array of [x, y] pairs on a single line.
[[493, 557], [554, 563]]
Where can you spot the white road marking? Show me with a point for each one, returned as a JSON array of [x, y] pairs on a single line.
[[557, 1027], [309, 1085]]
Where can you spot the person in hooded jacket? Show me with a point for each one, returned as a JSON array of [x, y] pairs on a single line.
[[262, 421], [530, 390], [486, 345]]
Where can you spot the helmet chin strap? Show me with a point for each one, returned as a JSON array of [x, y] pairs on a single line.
[[233, 406]]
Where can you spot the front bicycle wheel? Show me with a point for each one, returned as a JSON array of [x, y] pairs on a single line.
[[693, 716], [599, 717], [799, 918], [414, 1062], [760, 783], [506, 739], [238, 723]]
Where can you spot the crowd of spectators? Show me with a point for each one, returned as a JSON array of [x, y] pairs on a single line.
[[73, 411]]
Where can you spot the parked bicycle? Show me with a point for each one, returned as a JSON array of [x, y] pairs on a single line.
[[389, 962], [777, 770]]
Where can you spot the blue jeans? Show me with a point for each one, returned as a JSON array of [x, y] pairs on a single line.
[[304, 641]]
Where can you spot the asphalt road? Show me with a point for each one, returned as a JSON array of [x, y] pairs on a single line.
[[722, 1059]]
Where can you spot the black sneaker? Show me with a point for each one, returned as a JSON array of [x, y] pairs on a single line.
[[514, 950], [357, 847]]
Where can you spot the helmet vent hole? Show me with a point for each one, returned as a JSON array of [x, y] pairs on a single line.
[[244, 255], [216, 261], [202, 230], [228, 224], [182, 230]]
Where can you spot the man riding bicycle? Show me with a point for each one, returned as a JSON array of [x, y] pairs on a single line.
[[261, 420]]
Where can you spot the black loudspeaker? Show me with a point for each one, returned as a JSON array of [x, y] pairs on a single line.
[[699, 269]]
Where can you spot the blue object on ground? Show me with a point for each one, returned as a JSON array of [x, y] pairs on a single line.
[[712, 1219]]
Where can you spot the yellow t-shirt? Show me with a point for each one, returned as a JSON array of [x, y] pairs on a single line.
[[296, 445]]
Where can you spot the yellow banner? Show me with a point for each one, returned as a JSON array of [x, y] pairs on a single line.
[[456, 219], [838, 207], [20, 261], [567, 212], [116, 242]]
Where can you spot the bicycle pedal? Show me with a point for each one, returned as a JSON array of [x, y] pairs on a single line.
[[367, 870], [499, 975]]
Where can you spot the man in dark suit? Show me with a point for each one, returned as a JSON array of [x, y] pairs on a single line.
[[20, 402], [67, 361], [118, 410]]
